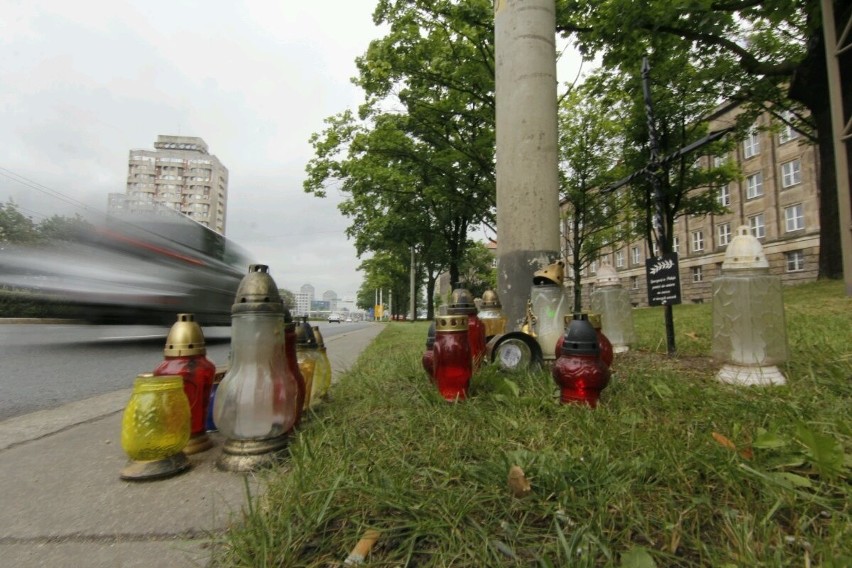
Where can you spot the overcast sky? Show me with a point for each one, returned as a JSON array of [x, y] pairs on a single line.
[[83, 82]]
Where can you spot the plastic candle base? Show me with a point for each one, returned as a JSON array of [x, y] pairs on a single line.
[[751, 376], [249, 455], [198, 444], [155, 469]]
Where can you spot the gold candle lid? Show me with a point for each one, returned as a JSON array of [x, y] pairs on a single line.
[[490, 299], [185, 338], [595, 320], [551, 274], [461, 302], [451, 323], [258, 293]]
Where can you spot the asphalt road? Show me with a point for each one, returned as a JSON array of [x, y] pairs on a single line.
[[45, 365]]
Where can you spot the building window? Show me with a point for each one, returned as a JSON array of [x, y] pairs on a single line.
[[724, 195], [794, 218], [751, 145], [593, 266], [634, 282], [619, 259], [723, 234], [791, 173], [676, 244], [795, 261], [655, 250], [697, 274], [635, 255], [787, 132], [757, 226], [697, 241], [754, 185]]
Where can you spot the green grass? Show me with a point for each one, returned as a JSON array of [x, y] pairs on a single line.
[[671, 469]]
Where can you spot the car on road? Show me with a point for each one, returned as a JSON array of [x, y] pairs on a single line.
[[348, 319], [334, 317]]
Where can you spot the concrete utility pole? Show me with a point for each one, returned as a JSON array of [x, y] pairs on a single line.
[[527, 174], [834, 49]]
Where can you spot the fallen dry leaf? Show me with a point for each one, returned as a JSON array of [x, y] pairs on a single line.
[[724, 442], [745, 453], [519, 485]]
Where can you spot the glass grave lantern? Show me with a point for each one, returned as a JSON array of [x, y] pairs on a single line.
[[155, 428], [612, 302], [461, 304], [607, 350], [549, 307], [290, 341], [603, 343], [579, 372], [491, 315], [749, 333], [322, 374], [308, 358], [453, 363], [186, 355], [256, 403]]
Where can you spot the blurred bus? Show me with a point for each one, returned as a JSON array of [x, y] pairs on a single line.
[[132, 268]]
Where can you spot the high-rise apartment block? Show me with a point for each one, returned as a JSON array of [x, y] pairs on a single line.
[[181, 174], [777, 199]]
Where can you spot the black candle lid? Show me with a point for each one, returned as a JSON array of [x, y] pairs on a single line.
[[580, 337]]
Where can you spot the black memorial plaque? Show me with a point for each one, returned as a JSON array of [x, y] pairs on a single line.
[[663, 280]]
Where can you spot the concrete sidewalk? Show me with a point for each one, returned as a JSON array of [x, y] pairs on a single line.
[[63, 503]]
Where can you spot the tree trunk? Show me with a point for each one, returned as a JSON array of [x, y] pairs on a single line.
[[430, 296], [576, 266], [810, 87], [454, 274]]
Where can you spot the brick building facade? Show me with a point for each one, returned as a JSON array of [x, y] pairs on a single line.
[[777, 198]]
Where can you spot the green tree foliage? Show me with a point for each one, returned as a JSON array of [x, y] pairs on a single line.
[[750, 51], [387, 272], [416, 165], [589, 144], [15, 227], [478, 272], [681, 105], [289, 298], [58, 227]]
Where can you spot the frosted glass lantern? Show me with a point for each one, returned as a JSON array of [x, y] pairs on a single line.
[[749, 334], [550, 306], [612, 302], [256, 404]]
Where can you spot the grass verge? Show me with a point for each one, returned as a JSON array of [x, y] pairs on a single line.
[[672, 468]]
